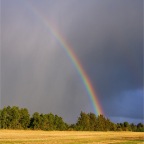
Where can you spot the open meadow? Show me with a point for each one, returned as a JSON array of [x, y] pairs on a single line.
[[69, 137]]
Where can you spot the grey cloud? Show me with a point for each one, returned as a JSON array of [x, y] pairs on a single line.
[[105, 35], [108, 39]]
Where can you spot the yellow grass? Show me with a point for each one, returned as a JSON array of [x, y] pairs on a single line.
[[69, 137]]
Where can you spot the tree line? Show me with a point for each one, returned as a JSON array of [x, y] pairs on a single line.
[[19, 118]]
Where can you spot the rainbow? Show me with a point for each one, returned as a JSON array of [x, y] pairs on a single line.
[[74, 59]]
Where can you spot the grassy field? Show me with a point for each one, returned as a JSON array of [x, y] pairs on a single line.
[[69, 137]]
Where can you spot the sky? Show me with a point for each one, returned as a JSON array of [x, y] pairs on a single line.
[[106, 36]]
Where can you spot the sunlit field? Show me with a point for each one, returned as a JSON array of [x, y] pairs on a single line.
[[69, 137]]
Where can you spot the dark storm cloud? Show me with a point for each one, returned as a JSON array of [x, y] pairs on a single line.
[[107, 37]]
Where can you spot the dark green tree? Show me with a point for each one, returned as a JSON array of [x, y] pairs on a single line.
[[83, 122], [14, 115], [59, 123], [6, 118], [16, 118], [24, 118], [133, 127], [101, 123], [44, 125], [51, 119], [126, 126], [3, 118], [140, 127], [92, 121], [35, 121]]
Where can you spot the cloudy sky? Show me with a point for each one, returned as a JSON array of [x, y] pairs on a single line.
[[107, 37]]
